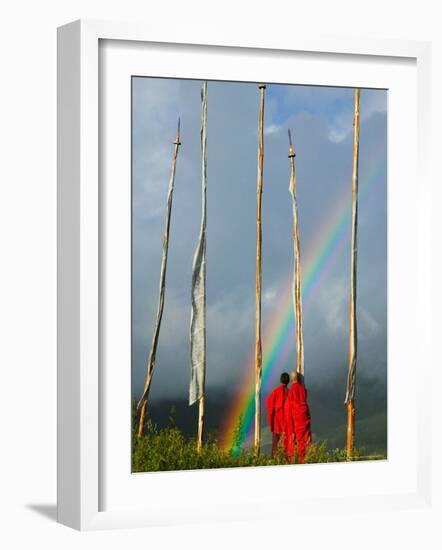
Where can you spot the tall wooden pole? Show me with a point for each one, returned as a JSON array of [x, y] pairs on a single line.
[[152, 356], [201, 411], [258, 345], [297, 301], [353, 335], [197, 387], [202, 401]]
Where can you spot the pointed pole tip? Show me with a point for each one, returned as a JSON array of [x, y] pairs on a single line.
[[178, 132], [291, 150]]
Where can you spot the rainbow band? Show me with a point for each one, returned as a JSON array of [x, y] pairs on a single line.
[[320, 258]]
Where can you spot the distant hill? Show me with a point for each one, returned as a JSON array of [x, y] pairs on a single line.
[[327, 410]]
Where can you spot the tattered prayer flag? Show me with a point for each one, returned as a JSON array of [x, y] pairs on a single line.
[[198, 316], [353, 335], [297, 302]]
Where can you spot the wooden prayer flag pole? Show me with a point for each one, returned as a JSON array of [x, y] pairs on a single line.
[[201, 413], [258, 345], [197, 388], [201, 403], [297, 301], [353, 336], [152, 356]]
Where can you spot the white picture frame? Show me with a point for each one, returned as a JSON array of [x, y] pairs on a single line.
[[80, 437]]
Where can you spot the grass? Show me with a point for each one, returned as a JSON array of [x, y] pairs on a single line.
[[168, 450]]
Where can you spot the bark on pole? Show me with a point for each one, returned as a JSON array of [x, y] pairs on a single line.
[[353, 335], [162, 288], [258, 345], [297, 299]]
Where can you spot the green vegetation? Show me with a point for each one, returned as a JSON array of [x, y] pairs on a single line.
[[168, 449]]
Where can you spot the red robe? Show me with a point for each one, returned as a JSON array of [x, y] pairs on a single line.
[[298, 420], [276, 415]]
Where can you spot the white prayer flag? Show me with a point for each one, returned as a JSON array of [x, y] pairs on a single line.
[[198, 316]]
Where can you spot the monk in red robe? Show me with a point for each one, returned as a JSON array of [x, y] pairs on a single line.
[[298, 422], [276, 411]]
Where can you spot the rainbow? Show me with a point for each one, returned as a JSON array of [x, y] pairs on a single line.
[[321, 255]]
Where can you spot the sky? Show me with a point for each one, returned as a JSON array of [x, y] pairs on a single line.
[[321, 120]]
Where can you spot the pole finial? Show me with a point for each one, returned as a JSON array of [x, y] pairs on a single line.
[[203, 88], [291, 150], [357, 100], [177, 139]]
